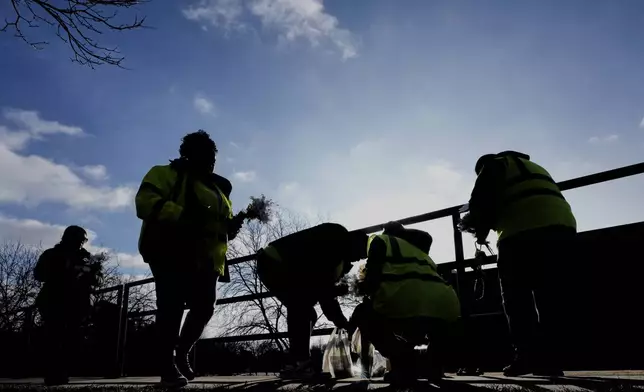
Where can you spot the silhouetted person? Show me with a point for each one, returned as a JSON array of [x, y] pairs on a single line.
[[520, 201], [408, 303], [303, 269], [187, 222], [69, 276]]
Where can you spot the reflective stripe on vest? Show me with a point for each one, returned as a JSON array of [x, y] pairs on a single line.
[[410, 262], [531, 199], [410, 285]]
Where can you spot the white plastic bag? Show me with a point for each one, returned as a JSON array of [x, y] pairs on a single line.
[[337, 355], [379, 364]]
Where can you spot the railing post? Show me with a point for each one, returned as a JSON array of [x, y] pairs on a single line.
[[124, 296], [459, 255]]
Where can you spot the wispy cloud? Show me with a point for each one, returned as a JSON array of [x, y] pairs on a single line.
[[95, 172], [32, 179], [290, 19], [203, 105], [603, 139], [642, 123], [245, 176]]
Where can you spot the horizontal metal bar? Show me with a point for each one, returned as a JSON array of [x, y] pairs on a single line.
[[264, 336], [604, 176], [106, 289]]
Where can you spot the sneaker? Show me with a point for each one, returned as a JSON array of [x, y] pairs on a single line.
[[302, 370], [172, 379], [183, 364], [517, 368], [469, 371]]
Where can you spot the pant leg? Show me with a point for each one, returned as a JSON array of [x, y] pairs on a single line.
[[550, 274], [381, 332], [55, 334], [202, 296], [514, 266], [300, 318], [170, 304]]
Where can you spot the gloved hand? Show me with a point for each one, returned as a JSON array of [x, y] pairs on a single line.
[[341, 289]]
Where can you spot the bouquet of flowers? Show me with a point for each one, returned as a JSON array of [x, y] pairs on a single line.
[[259, 208]]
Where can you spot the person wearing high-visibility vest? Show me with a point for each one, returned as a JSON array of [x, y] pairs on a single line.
[[303, 269], [519, 200], [408, 303], [187, 223]]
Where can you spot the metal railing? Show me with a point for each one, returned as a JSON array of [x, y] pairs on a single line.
[[457, 266]]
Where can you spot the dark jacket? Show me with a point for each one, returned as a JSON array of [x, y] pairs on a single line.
[[64, 284], [314, 258], [485, 200]]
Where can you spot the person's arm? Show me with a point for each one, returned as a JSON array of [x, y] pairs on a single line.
[[152, 199], [485, 198], [43, 270], [333, 312], [373, 268]]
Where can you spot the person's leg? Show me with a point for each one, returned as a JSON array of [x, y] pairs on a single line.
[[300, 319], [514, 262], [387, 337], [550, 272], [55, 356], [170, 303], [201, 302]]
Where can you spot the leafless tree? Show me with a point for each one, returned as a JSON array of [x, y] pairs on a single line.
[[18, 288], [77, 22]]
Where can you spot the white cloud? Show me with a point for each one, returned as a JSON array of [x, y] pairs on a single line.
[[373, 183], [290, 19], [95, 172], [36, 233], [245, 176], [642, 123], [36, 126], [31, 179], [603, 139], [203, 105]]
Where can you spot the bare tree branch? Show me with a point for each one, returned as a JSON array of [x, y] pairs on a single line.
[[78, 23]]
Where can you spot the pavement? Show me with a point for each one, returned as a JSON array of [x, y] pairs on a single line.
[[627, 380]]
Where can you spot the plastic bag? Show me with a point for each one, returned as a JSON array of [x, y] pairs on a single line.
[[337, 355], [375, 365]]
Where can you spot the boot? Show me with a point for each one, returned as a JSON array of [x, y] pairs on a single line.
[[172, 379], [182, 360], [518, 367]]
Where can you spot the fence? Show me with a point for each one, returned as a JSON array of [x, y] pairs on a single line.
[[456, 267]]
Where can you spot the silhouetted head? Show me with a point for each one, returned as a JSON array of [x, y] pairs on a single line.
[[199, 150], [482, 162], [391, 228], [419, 238], [74, 237]]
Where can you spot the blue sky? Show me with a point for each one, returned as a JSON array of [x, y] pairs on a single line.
[[359, 111]]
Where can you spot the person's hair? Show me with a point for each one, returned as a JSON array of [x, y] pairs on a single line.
[[482, 161], [197, 143], [73, 232]]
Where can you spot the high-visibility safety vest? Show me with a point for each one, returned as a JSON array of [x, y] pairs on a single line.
[[531, 199], [160, 202], [410, 285]]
